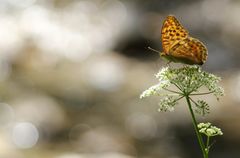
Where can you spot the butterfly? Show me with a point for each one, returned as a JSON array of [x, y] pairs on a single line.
[[178, 46]]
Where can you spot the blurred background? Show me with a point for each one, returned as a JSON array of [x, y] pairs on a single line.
[[71, 73]]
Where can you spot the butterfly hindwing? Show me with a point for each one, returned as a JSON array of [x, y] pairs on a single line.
[[189, 51]]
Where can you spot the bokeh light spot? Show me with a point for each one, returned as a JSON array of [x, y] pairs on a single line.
[[25, 135], [106, 75], [141, 126]]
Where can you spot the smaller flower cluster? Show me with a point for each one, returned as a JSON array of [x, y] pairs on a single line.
[[167, 104], [209, 130], [201, 107]]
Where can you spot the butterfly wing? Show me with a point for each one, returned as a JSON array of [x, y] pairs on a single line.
[[188, 51], [172, 33]]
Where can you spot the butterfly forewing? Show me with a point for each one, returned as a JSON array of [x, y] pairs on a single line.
[[172, 33]]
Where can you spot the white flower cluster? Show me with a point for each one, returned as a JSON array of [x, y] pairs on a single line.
[[209, 130], [211, 81], [187, 80], [156, 89], [167, 104], [201, 107]]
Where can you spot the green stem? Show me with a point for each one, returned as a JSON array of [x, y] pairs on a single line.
[[207, 145], [177, 86], [202, 93], [200, 140], [172, 91], [179, 98]]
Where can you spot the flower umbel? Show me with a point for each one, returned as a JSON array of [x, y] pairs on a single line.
[[188, 80], [209, 130]]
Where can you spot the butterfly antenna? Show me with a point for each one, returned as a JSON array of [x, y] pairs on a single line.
[[154, 50]]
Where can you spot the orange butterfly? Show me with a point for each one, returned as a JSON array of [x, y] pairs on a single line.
[[178, 46]]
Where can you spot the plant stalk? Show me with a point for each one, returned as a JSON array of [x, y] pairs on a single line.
[[200, 139], [207, 145]]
